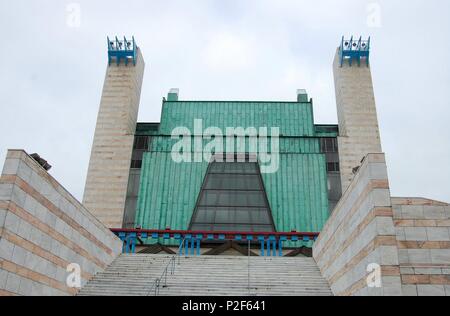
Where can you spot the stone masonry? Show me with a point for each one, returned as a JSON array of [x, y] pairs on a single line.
[[107, 178], [43, 229], [423, 239], [408, 238], [359, 233], [357, 116]]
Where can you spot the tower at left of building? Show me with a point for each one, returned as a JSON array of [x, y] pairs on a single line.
[[108, 172]]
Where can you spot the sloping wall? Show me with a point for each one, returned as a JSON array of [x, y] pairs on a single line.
[[360, 232], [43, 229]]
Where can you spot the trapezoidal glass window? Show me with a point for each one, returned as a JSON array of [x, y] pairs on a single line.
[[232, 198]]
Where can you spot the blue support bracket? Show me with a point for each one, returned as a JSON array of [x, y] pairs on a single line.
[[280, 245], [262, 241], [198, 240], [132, 239], [271, 246], [192, 241], [180, 248], [186, 246], [129, 242], [123, 236]]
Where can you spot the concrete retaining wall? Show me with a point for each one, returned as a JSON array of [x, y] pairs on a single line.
[[43, 229]]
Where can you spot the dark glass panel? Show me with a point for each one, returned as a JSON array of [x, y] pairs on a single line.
[[232, 182], [232, 199]]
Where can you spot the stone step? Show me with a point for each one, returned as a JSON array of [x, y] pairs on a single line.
[[210, 285], [226, 291], [215, 271], [218, 270], [217, 261], [236, 276], [209, 275], [208, 266], [212, 292]]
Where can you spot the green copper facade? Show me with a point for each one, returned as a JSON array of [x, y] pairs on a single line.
[[298, 192]]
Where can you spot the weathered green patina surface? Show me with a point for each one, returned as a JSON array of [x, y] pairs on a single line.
[[297, 192]]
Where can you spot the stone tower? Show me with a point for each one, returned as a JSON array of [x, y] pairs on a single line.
[[357, 116], [109, 166]]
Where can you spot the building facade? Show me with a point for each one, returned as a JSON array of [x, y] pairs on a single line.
[[134, 181], [299, 195]]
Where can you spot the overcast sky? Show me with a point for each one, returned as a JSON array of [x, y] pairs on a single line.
[[53, 62]]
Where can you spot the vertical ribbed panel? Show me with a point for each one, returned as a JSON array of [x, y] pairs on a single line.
[[297, 193], [293, 119], [168, 191]]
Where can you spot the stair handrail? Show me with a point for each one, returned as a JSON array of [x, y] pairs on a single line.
[[248, 266], [157, 282]]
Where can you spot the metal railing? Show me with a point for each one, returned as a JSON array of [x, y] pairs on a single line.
[[170, 267], [248, 267]]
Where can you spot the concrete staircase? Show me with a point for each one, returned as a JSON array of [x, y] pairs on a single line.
[[210, 275]]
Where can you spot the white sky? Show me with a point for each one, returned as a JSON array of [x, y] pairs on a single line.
[[52, 71]]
